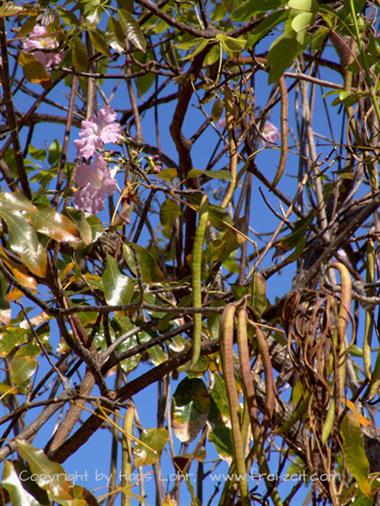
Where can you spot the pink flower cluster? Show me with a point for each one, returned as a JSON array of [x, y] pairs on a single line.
[[99, 129], [40, 38], [94, 179], [95, 184], [271, 134]]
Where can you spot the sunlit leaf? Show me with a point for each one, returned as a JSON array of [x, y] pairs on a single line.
[[16, 202], [12, 482], [355, 458], [22, 368], [302, 21], [118, 288], [213, 174], [149, 449], [99, 42], [132, 30], [10, 9], [24, 242], [303, 5], [49, 222], [79, 55], [191, 404], [50, 476], [34, 71], [258, 294], [169, 211], [282, 54], [264, 27], [21, 274]]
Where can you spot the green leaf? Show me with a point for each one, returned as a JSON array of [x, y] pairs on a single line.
[[24, 242], [217, 109], [149, 269], [375, 380], [115, 35], [289, 242], [12, 483], [297, 466], [212, 56], [36, 153], [213, 174], [362, 500], [303, 5], [99, 42], [144, 83], [54, 152], [246, 10], [157, 355], [148, 450], [230, 44], [21, 369], [132, 30], [191, 405], [79, 55], [264, 27], [67, 16], [11, 9], [355, 458], [48, 222], [118, 288], [16, 202], [221, 248], [50, 476], [169, 212], [302, 21], [329, 422], [33, 69], [198, 49], [219, 417], [12, 337], [259, 301], [168, 174], [282, 54]]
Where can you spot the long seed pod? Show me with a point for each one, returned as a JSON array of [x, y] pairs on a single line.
[[268, 372], [249, 393], [370, 278], [196, 268], [245, 368], [284, 131], [229, 105], [126, 483], [227, 338], [343, 317]]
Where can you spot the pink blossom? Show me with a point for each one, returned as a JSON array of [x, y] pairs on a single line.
[[100, 128], [95, 184], [40, 38], [271, 134]]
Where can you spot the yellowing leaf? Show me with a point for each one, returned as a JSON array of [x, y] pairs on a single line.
[[355, 458], [55, 225], [155, 439], [11, 9], [14, 294], [50, 475], [191, 405], [34, 71], [357, 415], [24, 242]]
